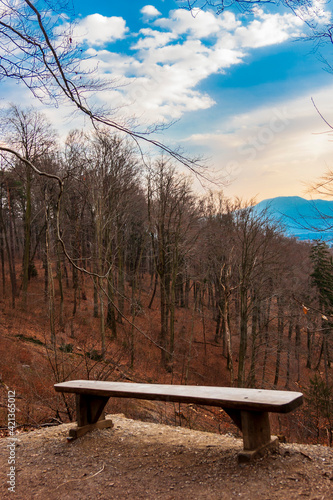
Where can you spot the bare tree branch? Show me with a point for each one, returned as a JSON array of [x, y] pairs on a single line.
[[50, 66]]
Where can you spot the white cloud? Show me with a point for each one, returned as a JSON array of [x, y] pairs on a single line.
[[272, 149], [314, 12], [201, 25], [269, 29], [161, 71], [229, 21], [151, 39], [150, 11], [172, 57], [173, 62], [97, 30]]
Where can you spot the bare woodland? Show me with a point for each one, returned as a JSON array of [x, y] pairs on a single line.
[[133, 240], [173, 286]]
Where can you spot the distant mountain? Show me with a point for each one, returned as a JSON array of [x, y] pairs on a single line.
[[303, 219]]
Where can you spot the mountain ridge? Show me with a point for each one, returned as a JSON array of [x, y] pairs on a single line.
[[300, 218]]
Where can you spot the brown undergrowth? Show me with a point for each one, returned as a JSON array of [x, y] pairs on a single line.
[[30, 364]]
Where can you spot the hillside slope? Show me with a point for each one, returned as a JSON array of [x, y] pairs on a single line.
[[143, 460]]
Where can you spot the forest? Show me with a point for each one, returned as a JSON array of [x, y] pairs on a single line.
[[113, 267]]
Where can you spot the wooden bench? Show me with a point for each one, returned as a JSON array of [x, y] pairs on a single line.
[[248, 408]]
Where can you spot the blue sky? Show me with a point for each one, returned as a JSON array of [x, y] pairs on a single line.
[[238, 87]]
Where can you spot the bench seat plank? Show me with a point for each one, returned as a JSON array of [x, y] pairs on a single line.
[[224, 397]]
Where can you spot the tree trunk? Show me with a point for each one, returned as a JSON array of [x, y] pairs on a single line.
[[187, 292], [27, 238], [121, 276], [264, 339], [164, 321], [110, 315], [251, 380], [290, 331], [102, 321], [95, 299], [243, 337], [11, 251], [298, 349], [279, 339], [154, 291], [230, 361], [51, 294], [59, 276], [3, 271]]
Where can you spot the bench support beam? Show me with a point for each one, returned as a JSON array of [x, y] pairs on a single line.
[[90, 415], [256, 432]]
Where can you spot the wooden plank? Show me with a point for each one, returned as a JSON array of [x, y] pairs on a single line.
[[224, 397]]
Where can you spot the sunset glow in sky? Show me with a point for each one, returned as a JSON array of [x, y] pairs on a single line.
[[238, 86]]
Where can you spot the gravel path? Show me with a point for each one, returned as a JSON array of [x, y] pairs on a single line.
[[138, 460]]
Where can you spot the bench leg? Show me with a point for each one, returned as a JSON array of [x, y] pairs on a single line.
[[256, 431], [90, 415]]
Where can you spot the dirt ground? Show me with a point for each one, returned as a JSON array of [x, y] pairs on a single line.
[[138, 460]]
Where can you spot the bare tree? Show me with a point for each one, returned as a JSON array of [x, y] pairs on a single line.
[[32, 136], [243, 5], [38, 50], [218, 252], [171, 216]]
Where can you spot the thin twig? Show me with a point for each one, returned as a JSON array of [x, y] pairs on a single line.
[[321, 116], [82, 478]]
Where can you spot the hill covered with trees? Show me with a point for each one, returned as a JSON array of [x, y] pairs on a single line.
[[300, 218], [111, 268]]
